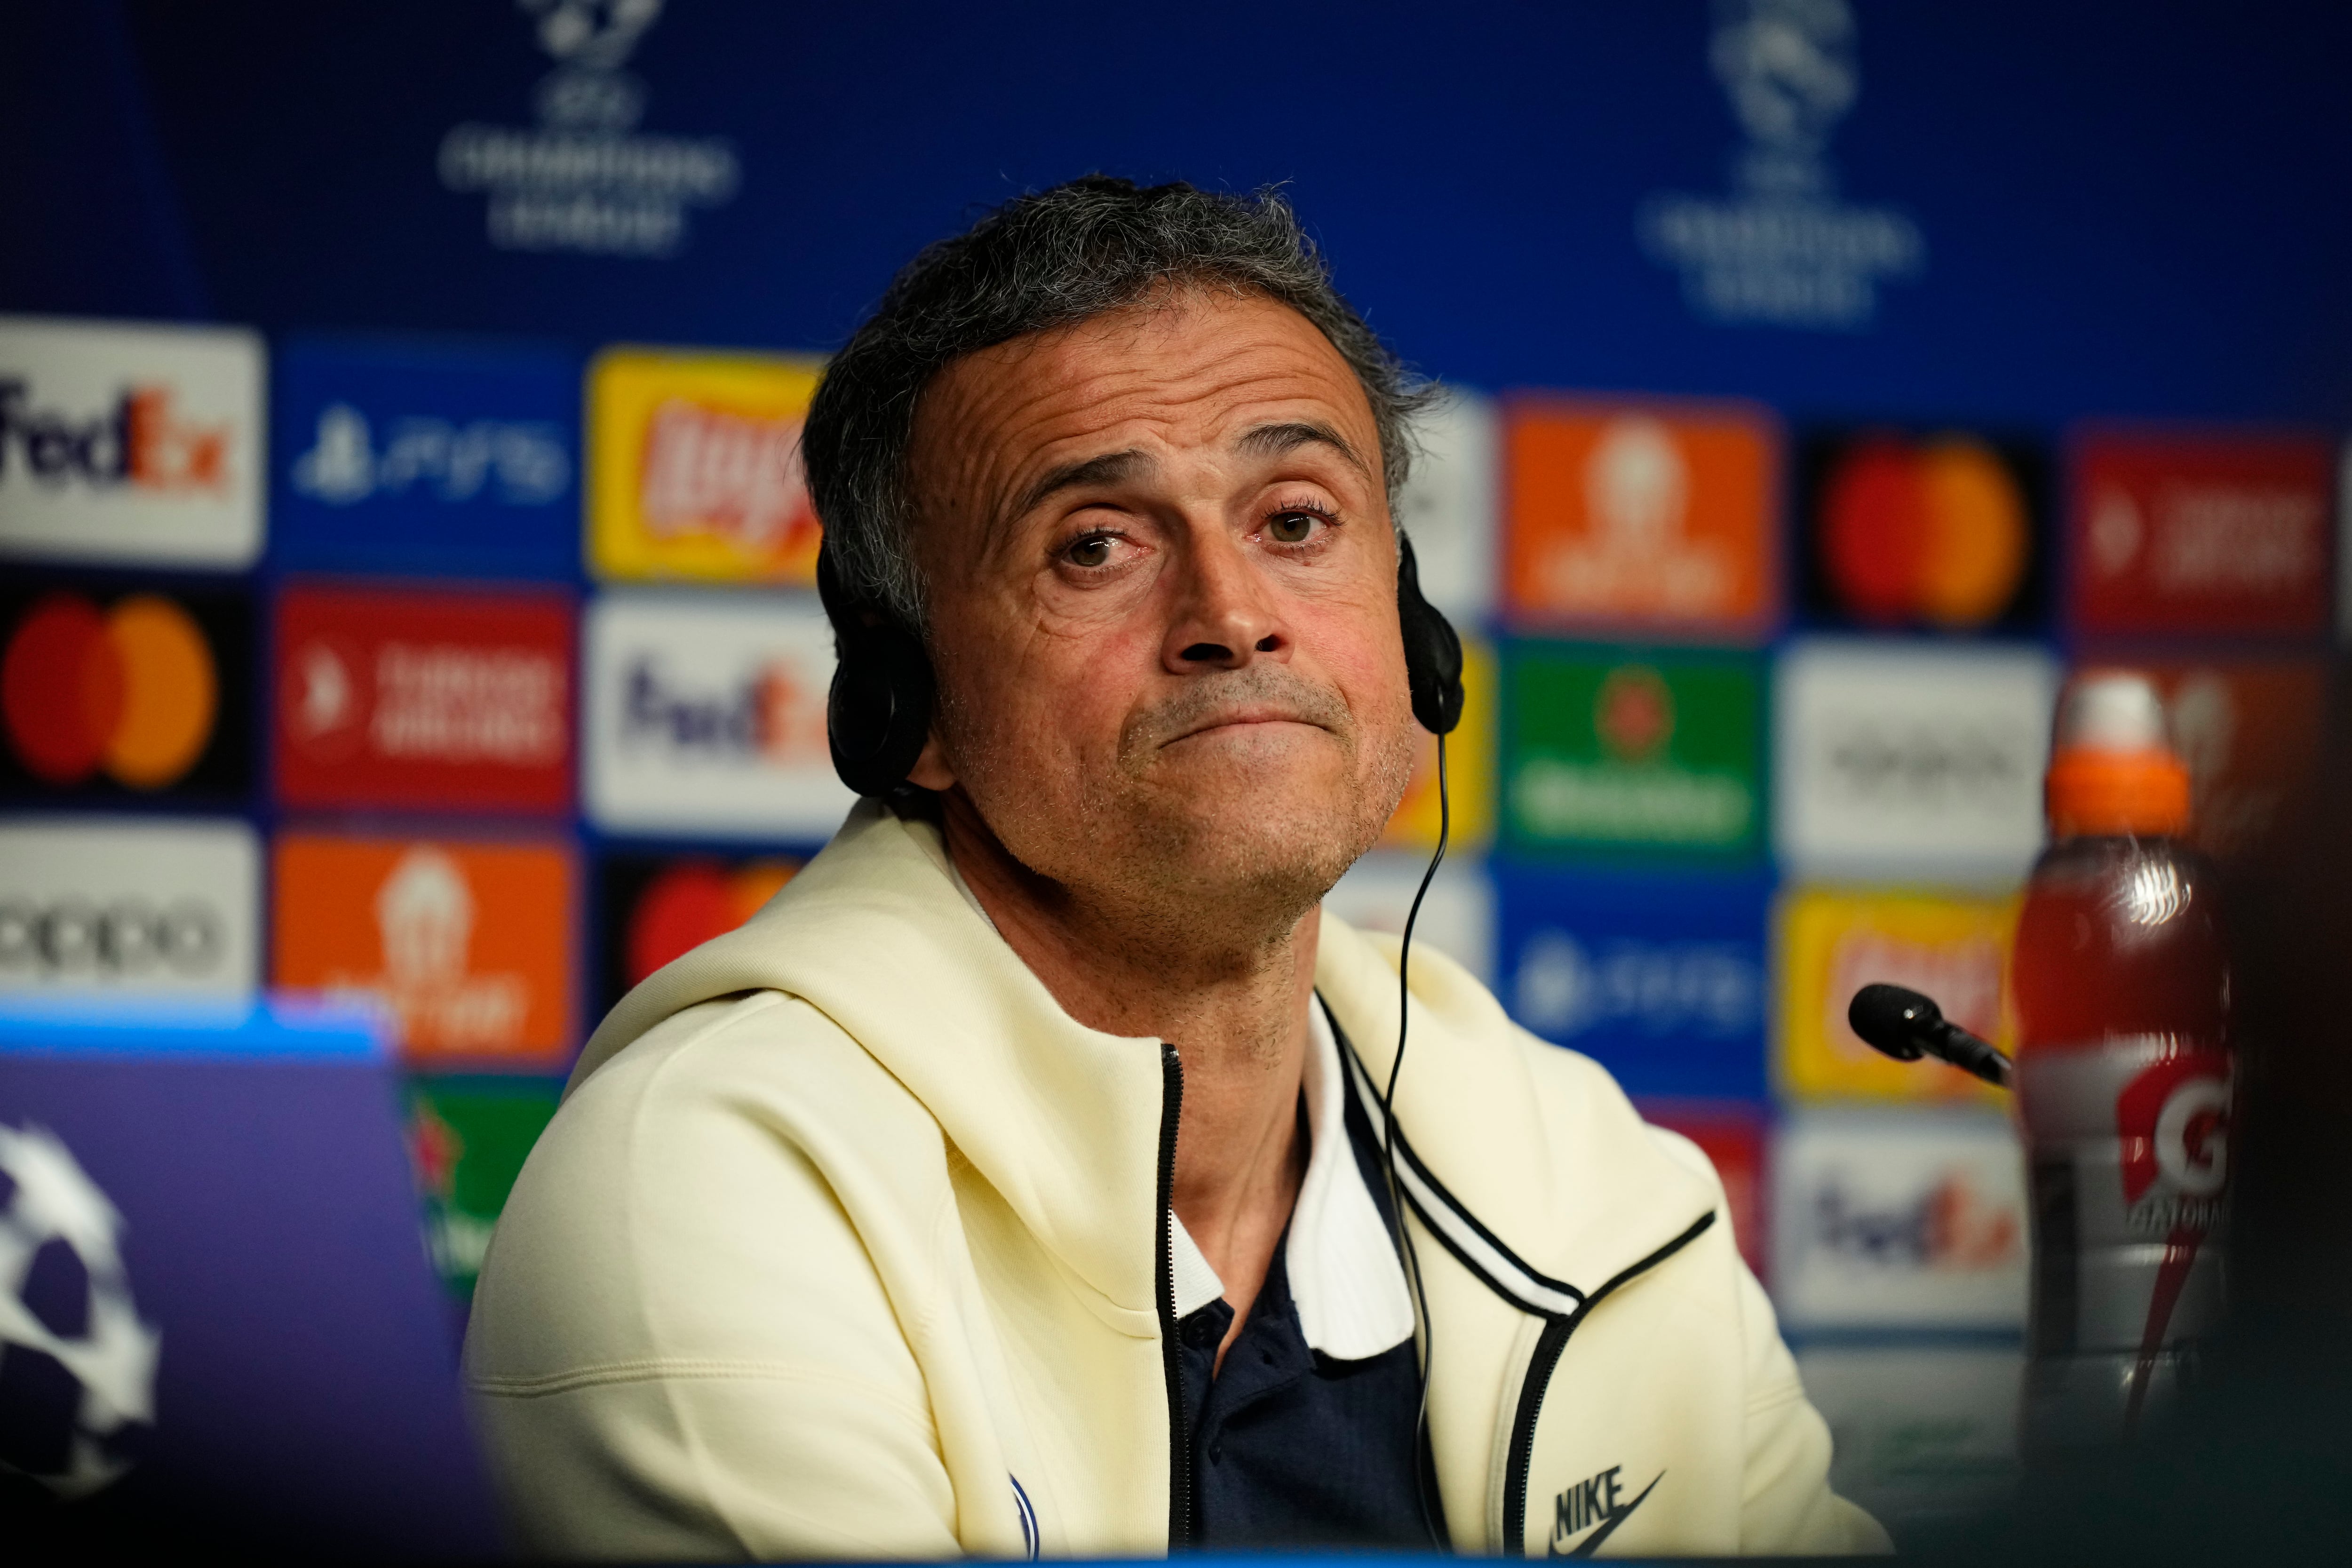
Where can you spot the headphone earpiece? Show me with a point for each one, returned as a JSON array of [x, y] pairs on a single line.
[[1433, 650], [878, 712]]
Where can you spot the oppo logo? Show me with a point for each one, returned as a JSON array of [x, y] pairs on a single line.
[[128, 937], [1913, 763]]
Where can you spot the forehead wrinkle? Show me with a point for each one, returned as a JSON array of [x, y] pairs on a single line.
[[994, 394], [1287, 435], [1110, 468]]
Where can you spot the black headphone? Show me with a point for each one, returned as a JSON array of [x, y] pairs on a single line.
[[879, 714]]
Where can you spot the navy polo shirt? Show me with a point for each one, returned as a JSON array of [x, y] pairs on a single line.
[[1292, 1446]]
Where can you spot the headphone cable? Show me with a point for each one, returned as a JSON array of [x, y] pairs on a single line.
[[1387, 1154]]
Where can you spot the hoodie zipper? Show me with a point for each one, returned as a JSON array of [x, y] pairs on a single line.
[[1171, 1350], [1520, 1455]]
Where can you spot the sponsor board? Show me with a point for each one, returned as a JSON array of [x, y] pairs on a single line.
[[695, 467], [652, 909], [1732, 1136], [1457, 916], [134, 444], [466, 946], [1447, 507], [1624, 752], [1912, 1219], [468, 1138], [1921, 1435], [424, 456], [1832, 942], [1660, 979], [706, 716], [124, 693], [2251, 730], [1469, 766], [1636, 515], [140, 905], [460, 701], [2199, 532], [1896, 759], [1946, 530]]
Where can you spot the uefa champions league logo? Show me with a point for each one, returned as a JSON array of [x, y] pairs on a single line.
[[584, 179], [76, 1366], [1783, 251]]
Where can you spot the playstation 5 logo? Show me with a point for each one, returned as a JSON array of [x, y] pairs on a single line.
[[522, 463]]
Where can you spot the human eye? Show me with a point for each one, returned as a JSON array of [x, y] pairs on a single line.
[[1297, 523], [1090, 550]]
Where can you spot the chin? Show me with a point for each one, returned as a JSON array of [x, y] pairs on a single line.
[[1232, 848]]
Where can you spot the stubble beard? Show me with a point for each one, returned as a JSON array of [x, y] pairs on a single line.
[[1173, 871]]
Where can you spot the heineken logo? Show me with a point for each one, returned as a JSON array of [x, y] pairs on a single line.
[[1617, 754], [1635, 714]]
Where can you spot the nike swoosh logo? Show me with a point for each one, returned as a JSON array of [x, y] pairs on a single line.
[[1591, 1543]]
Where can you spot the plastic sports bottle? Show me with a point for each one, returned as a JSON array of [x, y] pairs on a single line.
[[2126, 1070]]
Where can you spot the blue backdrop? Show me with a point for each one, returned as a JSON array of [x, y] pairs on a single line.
[[2114, 207]]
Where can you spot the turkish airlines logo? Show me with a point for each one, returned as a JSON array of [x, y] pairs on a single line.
[[455, 699], [130, 691], [142, 442], [441, 702]]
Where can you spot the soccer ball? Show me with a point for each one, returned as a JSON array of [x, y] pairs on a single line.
[[76, 1366]]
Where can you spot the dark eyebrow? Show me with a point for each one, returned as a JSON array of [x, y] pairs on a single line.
[[1273, 440], [1107, 469]]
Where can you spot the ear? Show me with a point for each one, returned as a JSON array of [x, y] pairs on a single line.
[[930, 770]]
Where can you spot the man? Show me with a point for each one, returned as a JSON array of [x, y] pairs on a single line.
[[1015, 1182]]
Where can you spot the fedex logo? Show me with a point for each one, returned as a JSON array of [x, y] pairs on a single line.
[[142, 440], [1911, 1220], [763, 713], [706, 716], [129, 445]]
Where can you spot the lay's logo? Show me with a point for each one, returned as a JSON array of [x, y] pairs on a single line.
[[695, 467], [137, 444]]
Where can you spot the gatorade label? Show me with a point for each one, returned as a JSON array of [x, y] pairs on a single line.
[[2130, 1152]]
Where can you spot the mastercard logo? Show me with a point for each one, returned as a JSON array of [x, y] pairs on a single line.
[[1923, 531], [691, 902], [130, 691]]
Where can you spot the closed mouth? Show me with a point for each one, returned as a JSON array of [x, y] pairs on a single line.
[[1244, 719]]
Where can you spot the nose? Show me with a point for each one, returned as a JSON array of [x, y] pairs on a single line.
[[1225, 615]]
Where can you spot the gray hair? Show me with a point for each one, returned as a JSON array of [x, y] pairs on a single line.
[[1048, 259]]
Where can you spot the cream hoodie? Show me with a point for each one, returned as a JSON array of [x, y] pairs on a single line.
[[849, 1241]]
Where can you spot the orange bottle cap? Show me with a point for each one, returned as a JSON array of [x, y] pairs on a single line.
[[2111, 768]]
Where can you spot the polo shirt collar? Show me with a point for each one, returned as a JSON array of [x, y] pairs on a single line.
[[1345, 1277]]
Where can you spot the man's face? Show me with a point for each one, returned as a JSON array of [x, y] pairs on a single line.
[[1163, 607]]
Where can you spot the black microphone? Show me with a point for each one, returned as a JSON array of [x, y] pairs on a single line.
[[1907, 1026]]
